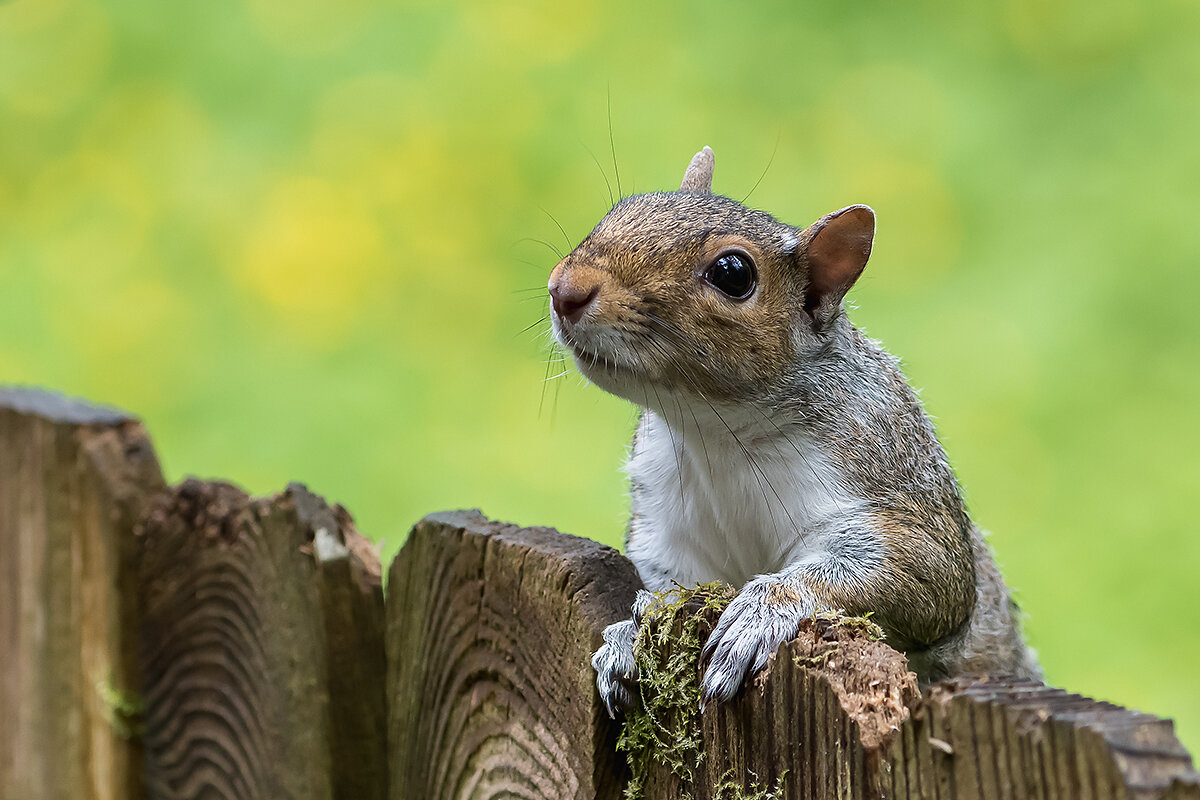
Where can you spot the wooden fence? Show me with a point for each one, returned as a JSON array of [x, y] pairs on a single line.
[[192, 642]]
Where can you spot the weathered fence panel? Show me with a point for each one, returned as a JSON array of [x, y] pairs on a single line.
[[176, 643], [193, 642], [74, 478], [837, 715]]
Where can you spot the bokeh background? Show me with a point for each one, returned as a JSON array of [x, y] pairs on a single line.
[[304, 240]]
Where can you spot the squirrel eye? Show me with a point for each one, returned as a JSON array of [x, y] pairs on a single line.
[[733, 274]]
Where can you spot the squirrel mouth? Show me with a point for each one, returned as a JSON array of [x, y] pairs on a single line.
[[592, 362], [595, 361], [587, 357], [593, 358]]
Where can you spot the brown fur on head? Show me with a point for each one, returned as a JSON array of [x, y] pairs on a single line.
[[635, 304]]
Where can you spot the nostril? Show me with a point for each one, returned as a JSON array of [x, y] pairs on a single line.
[[570, 300]]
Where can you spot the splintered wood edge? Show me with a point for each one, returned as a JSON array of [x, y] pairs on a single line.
[[330, 533], [60, 408], [872, 681], [334, 536]]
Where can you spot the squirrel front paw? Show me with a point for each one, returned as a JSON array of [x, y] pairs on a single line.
[[765, 614], [616, 670]]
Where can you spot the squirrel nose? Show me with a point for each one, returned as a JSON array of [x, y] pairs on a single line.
[[571, 299]]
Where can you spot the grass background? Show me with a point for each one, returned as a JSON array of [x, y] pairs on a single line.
[[293, 235]]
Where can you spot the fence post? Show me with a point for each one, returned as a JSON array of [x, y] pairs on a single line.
[[490, 632], [262, 648], [74, 477]]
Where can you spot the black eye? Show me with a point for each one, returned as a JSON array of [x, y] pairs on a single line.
[[733, 274]]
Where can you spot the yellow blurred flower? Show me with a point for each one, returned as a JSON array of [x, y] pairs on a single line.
[[313, 254]]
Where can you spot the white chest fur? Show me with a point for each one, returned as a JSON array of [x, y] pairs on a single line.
[[709, 505]]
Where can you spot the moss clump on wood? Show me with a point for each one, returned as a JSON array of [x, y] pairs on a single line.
[[122, 709], [665, 728], [863, 624]]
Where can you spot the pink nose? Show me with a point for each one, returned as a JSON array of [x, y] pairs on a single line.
[[571, 299]]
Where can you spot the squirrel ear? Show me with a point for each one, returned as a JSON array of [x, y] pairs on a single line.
[[698, 178], [839, 245]]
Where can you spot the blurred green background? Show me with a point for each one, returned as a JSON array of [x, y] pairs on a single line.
[[293, 236]]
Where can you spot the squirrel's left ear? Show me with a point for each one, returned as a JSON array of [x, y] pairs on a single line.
[[698, 177], [839, 245]]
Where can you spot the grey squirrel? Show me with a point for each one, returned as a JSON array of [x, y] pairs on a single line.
[[779, 449]]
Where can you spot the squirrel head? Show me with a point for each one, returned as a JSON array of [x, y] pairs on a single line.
[[694, 292]]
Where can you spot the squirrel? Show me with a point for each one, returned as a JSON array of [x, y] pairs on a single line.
[[779, 449]]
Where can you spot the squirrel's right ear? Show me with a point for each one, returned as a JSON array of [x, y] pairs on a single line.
[[839, 245], [698, 178]]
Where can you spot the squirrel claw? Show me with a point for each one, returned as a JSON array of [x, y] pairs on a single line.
[[749, 630], [616, 671]]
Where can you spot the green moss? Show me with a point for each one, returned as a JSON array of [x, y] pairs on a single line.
[[665, 729], [863, 624], [731, 789], [122, 709]]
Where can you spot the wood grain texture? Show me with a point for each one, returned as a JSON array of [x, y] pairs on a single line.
[[262, 648], [74, 477], [1018, 739], [490, 633]]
